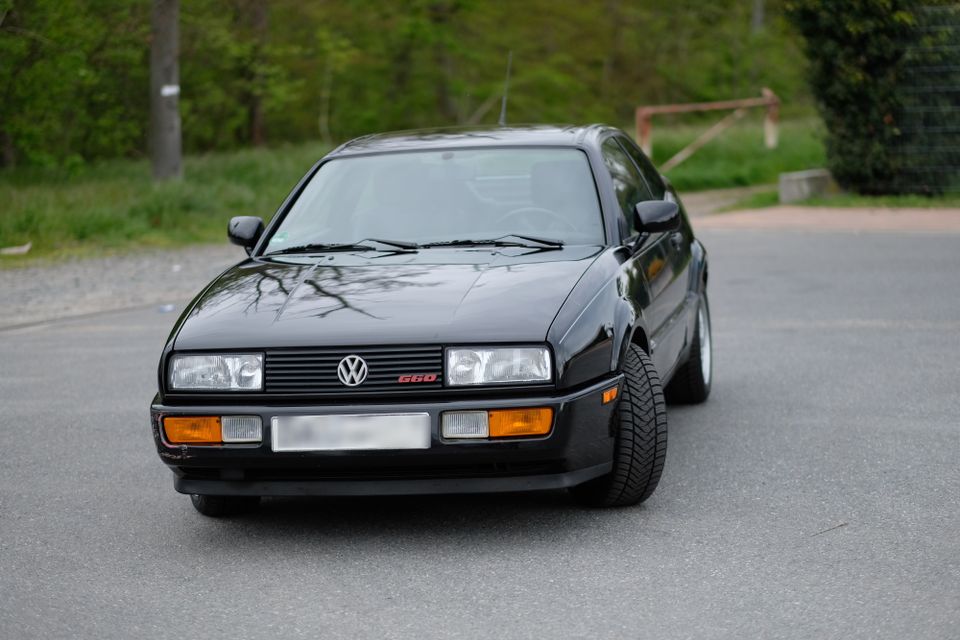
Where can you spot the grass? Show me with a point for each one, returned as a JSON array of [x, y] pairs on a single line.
[[115, 206], [738, 157], [757, 200]]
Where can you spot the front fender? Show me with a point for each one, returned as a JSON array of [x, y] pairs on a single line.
[[599, 317], [698, 274]]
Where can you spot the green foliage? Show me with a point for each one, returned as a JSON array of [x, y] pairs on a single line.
[[74, 73], [865, 56], [929, 90], [115, 205], [756, 200], [738, 157], [67, 70], [855, 52], [228, 65]]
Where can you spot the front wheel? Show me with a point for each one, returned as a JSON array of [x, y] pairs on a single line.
[[641, 439], [691, 382], [223, 506]]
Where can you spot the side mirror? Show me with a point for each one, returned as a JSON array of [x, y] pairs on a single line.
[[654, 216], [245, 231]]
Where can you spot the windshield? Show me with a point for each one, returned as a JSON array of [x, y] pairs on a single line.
[[438, 196]]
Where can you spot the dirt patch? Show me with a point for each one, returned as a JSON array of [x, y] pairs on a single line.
[[837, 219]]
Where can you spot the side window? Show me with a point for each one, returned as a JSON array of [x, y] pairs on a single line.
[[627, 181], [650, 173]]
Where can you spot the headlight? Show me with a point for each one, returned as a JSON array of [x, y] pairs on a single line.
[[498, 366], [234, 372]]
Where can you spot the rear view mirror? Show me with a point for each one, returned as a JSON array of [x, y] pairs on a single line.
[[245, 231], [654, 216]]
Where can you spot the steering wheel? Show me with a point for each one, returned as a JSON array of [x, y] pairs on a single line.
[[527, 218]]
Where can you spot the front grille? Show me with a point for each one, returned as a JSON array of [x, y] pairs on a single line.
[[314, 370]]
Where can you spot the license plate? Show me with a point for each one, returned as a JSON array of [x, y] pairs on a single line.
[[351, 432]]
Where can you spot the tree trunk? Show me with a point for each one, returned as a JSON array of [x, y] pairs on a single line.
[[441, 17], [326, 89], [757, 18], [260, 22], [756, 21], [611, 60], [448, 111], [165, 137], [8, 155]]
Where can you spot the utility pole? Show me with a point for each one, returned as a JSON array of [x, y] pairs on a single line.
[[165, 138]]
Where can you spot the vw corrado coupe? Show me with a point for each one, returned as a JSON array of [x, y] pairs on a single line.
[[450, 311]]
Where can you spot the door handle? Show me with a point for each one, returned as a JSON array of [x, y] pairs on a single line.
[[676, 239]]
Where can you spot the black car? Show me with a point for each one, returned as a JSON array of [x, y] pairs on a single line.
[[448, 311]]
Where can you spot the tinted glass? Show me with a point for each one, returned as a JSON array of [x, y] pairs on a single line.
[[433, 196], [650, 173], [627, 181]]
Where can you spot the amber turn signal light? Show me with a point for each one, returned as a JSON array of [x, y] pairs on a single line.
[[610, 394], [520, 422], [192, 429]]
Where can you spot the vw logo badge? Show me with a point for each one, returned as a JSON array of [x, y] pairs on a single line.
[[352, 371]]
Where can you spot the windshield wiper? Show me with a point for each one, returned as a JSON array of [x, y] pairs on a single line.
[[321, 247], [400, 244], [502, 241], [547, 242]]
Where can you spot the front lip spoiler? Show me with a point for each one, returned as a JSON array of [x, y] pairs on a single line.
[[412, 487]]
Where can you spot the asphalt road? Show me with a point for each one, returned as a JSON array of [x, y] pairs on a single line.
[[816, 494]]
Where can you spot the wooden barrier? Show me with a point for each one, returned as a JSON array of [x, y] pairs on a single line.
[[768, 99]]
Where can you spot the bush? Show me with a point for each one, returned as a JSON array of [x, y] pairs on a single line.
[[855, 49], [869, 71]]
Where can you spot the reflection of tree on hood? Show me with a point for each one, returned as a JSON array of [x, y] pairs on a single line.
[[340, 287]]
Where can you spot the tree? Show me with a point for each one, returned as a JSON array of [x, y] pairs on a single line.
[[259, 19], [165, 137], [73, 72], [856, 51]]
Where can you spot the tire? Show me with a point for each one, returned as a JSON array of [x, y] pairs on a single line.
[[691, 383], [641, 439], [224, 506]]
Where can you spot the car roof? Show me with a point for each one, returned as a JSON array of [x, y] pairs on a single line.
[[483, 136]]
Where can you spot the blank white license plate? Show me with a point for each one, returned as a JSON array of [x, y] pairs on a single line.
[[351, 432]]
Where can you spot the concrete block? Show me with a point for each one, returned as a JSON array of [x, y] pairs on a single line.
[[801, 185]]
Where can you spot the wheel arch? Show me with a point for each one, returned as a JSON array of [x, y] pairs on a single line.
[[700, 272], [635, 334], [639, 338]]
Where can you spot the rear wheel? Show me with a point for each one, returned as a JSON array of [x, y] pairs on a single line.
[[223, 506], [691, 382], [641, 439]]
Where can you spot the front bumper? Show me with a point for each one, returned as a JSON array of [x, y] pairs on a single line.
[[578, 448]]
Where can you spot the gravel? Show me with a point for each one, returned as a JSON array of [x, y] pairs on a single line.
[[83, 286]]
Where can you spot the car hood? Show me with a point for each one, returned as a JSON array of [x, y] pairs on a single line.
[[431, 296]]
